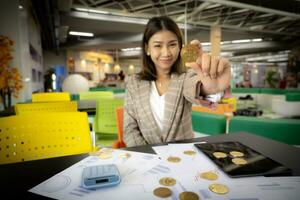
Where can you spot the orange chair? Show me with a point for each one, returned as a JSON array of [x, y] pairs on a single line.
[[119, 143]]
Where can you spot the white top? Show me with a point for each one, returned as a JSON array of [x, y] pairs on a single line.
[[157, 104]]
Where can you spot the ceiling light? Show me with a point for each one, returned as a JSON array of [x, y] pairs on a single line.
[[256, 40], [81, 34], [241, 41], [21, 7]]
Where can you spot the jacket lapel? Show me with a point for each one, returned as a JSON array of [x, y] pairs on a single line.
[[171, 102], [144, 91]]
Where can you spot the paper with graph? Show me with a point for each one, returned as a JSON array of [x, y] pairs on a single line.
[[180, 168]]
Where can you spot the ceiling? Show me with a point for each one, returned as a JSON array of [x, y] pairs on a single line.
[[118, 24]]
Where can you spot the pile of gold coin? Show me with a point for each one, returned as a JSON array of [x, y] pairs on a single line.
[[174, 159], [189, 53], [162, 192], [239, 161], [190, 152], [167, 181], [236, 153], [188, 196], [218, 188], [209, 176], [124, 155], [219, 154], [105, 153]]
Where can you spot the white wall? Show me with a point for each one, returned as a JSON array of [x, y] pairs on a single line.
[[20, 26]]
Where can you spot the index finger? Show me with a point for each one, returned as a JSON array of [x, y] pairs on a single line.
[[198, 43]]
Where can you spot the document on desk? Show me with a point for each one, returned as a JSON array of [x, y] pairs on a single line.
[[181, 168]]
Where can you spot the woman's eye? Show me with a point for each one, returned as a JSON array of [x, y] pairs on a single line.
[[156, 46], [173, 45]]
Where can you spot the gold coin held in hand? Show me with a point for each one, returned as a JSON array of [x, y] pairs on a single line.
[[209, 176], [236, 153], [188, 196], [239, 161], [174, 159], [190, 152], [162, 192], [219, 154], [167, 181], [189, 53], [218, 188]]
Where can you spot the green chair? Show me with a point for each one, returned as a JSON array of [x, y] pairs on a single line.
[[208, 124], [96, 95], [105, 122], [282, 130]]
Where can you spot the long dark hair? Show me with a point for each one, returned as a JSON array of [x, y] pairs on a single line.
[[155, 25]]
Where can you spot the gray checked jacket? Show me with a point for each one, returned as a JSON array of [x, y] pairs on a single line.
[[140, 127]]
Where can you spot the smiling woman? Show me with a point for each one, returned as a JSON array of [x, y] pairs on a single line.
[[158, 100]]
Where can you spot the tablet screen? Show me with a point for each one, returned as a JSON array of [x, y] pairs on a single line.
[[238, 160]]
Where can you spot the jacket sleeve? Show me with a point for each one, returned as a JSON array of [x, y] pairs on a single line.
[[191, 87], [132, 134]]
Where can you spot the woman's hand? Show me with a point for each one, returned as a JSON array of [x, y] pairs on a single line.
[[213, 72]]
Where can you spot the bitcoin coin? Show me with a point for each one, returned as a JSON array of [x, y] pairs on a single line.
[[189, 53], [162, 192], [167, 181], [218, 188], [239, 161], [105, 155], [209, 176], [219, 154], [190, 152], [236, 154], [188, 196], [124, 155], [174, 159]]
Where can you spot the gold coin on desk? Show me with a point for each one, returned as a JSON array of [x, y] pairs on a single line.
[[107, 150], [209, 176], [188, 196], [189, 53], [218, 188], [239, 161], [124, 155], [167, 181], [174, 159], [105, 155], [162, 192], [219, 154], [236, 153], [190, 152]]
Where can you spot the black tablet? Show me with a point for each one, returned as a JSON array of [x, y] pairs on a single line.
[[238, 160]]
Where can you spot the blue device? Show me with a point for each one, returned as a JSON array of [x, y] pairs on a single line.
[[100, 176]]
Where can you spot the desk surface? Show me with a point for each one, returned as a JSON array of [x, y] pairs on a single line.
[[18, 178]]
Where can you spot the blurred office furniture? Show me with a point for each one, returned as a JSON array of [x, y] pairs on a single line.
[[283, 130], [50, 97], [105, 122], [208, 123], [60, 106], [43, 135], [120, 119], [75, 83], [95, 95]]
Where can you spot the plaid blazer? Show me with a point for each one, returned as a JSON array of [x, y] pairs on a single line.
[[140, 127]]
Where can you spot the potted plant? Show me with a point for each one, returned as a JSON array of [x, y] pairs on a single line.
[[10, 78]]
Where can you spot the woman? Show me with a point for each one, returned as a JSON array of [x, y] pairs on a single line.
[[159, 99]]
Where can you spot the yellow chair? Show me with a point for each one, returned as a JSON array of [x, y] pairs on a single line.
[[105, 121], [44, 135], [50, 97], [62, 106], [96, 95]]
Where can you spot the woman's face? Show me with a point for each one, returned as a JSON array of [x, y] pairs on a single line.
[[163, 48]]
